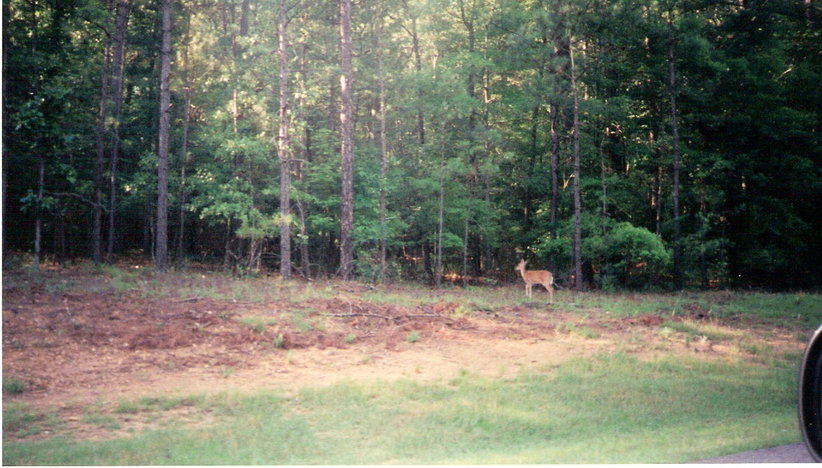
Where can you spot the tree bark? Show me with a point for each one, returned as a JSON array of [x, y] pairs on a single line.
[[38, 223], [161, 252], [678, 283], [117, 69], [99, 161], [306, 148], [440, 222], [415, 48], [578, 280], [346, 145], [554, 169], [184, 146], [383, 151], [284, 144]]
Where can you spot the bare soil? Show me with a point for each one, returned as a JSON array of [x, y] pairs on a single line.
[[73, 350]]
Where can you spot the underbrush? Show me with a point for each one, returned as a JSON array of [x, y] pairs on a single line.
[[606, 409]]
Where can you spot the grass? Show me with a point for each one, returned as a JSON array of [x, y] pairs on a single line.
[[671, 410], [22, 421], [13, 385]]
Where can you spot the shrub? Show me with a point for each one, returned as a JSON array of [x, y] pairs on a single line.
[[633, 256]]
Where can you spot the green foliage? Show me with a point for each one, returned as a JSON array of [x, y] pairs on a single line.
[[633, 255], [470, 93]]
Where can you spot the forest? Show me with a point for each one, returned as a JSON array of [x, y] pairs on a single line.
[[633, 144]]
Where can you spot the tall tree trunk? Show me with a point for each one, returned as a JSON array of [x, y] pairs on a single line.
[[181, 218], [38, 223], [527, 209], [161, 253], [117, 68], [346, 144], [486, 148], [465, 232], [99, 160], [578, 280], [415, 48], [554, 169], [440, 222], [184, 150], [604, 184], [306, 148], [678, 284], [383, 150], [284, 144]]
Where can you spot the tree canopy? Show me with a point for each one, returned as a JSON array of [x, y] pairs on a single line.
[[689, 130]]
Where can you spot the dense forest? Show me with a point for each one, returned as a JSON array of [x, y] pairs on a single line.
[[618, 143]]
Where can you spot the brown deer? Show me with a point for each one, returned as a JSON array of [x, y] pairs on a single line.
[[543, 277]]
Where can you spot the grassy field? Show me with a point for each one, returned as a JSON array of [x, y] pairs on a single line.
[[612, 407]]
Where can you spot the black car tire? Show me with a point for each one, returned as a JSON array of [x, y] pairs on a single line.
[[810, 396]]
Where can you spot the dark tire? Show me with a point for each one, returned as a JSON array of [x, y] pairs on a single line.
[[810, 396]]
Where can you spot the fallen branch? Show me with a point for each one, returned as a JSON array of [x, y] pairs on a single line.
[[190, 299], [429, 316], [360, 315]]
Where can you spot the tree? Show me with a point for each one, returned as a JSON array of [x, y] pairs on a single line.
[[382, 145], [677, 237], [346, 144], [161, 253], [117, 71], [284, 143], [579, 284]]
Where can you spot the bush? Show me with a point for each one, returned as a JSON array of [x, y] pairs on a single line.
[[633, 256]]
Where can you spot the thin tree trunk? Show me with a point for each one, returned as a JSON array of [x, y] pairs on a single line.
[[284, 144], [306, 148], [117, 68], [554, 170], [183, 167], [161, 253], [486, 148], [465, 248], [383, 151], [468, 20], [415, 48], [60, 233], [99, 161], [578, 280], [530, 167], [678, 284], [440, 223], [184, 150], [604, 185], [38, 223], [346, 144]]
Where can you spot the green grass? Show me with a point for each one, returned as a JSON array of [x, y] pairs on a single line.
[[22, 421], [611, 408], [13, 385]]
